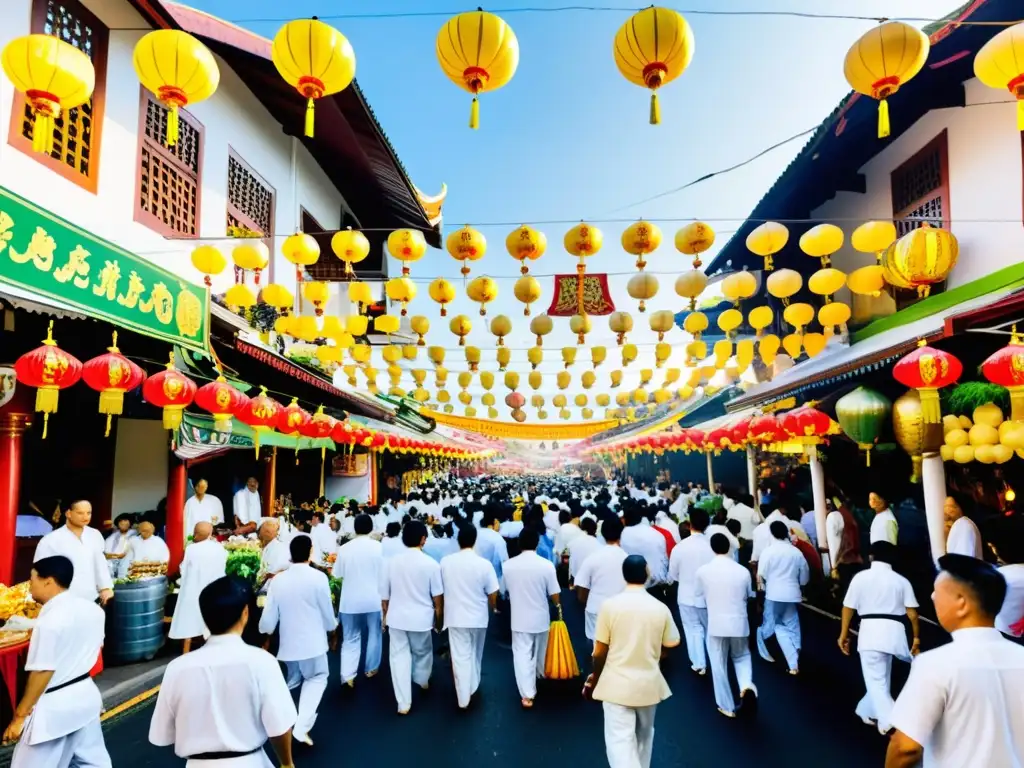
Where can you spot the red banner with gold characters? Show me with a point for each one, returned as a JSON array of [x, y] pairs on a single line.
[[596, 298]]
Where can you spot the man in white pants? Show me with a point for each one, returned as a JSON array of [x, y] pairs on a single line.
[[634, 631], [882, 598], [359, 565], [413, 605], [532, 584], [471, 592], [57, 721], [600, 576], [783, 570], [687, 557], [725, 585], [299, 599]]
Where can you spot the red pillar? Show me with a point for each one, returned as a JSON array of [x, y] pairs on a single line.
[[12, 426], [177, 482], [270, 483]]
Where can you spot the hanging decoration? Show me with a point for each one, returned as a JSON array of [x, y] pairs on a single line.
[[784, 284], [222, 401], [302, 251], [908, 427], [760, 318], [597, 298], [540, 327], [402, 290], [317, 294], [662, 322], [821, 241], [291, 420], [535, 356], [466, 245], [361, 295], [473, 358], [527, 290], [315, 59], [501, 327], [690, 285], [482, 290], [766, 240], [351, 246], [693, 240], [406, 245], [209, 261], [112, 374], [442, 292], [620, 324], [581, 241], [461, 326], [49, 369], [1005, 367], [737, 286], [863, 414], [568, 355], [874, 237], [261, 413], [580, 325], [641, 239], [928, 370], [420, 325], [653, 48], [386, 324], [921, 258], [526, 244], [172, 391], [239, 296], [642, 286]]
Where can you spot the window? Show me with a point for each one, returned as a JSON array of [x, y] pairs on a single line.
[[76, 134], [250, 204], [168, 180]]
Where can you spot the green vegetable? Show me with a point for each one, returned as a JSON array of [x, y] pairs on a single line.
[[244, 563]]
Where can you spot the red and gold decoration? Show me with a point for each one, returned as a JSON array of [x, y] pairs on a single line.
[[1005, 367], [261, 413], [653, 48], [291, 421], [928, 370], [596, 299], [49, 369], [222, 401], [172, 391], [112, 374], [693, 240], [921, 258]]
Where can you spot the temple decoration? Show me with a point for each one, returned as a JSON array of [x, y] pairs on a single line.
[[172, 391], [784, 284], [527, 290], [690, 285], [261, 413], [112, 374], [921, 258], [317, 294], [693, 240], [466, 245], [222, 401], [540, 327], [766, 240], [1000, 64], [596, 297], [420, 325], [580, 325], [442, 292], [653, 48], [737, 286], [406, 245], [482, 290], [291, 420], [209, 261], [402, 290], [620, 324], [642, 286], [251, 255], [461, 326], [928, 370], [501, 327], [1005, 367], [641, 239], [49, 369], [351, 247], [908, 427], [821, 241], [526, 244], [863, 414], [302, 251]]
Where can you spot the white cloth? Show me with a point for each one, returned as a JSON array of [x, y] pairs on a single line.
[[722, 650], [884, 527], [695, 630], [353, 625], [580, 548], [409, 583], [204, 562], [782, 619], [1013, 606], [964, 539], [565, 534], [411, 657], [299, 599], [784, 570], [510, 529], [86, 555], [275, 557], [687, 557], [247, 507], [644, 540], [389, 547], [492, 547], [529, 651], [468, 580], [877, 702], [117, 544], [83, 748], [226, 697], [208, 510], [734, 543], [880, 590], [748, 519], [325, 542], [530, 581], [466, 647], [151, 550], [601, 573], [963, 702], [835, 525], [762, 535], [725, 586], [628, 735], [360, 566], [311, 675]]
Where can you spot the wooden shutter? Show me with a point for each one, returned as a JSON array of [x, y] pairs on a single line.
[[251, 204]]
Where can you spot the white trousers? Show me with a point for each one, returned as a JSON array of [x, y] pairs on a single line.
[[721, 651], [628, 735], [783, 621], [411, 655], [695, 630], [83, 748], [528, 653], [876, 666], [311, 674], [352, 627], [466, 647]]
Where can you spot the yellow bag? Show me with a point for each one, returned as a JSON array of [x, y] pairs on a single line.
[[560, 662]]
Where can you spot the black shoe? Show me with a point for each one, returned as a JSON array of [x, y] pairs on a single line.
[[748, 703]]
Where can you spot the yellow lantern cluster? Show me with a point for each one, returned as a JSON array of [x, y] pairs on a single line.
[[766, 240], [407, 245], [653, 48], [466, 245], [693, 240], [871, 237]]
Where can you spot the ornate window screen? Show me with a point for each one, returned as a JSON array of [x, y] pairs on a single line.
[[251, 204], [920, 188]]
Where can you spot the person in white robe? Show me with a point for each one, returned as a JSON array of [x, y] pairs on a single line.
[[413, 606], [687, 558], [963, 537], [532, 585], [205, 561], [567, 531], [883, 526], [275, 556], [600, 575], [581, 547], [83, 546], [747, 516], [299, 600], [57, 720], [470, 595], [360, 566], [643, 540], [783, 572], [882, 598], [725, 586], [226, 699], [247, 507], [147, 547], [202, 508], [325, 542], [116, 547]]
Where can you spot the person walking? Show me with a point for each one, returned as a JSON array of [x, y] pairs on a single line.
[[634, 631], [783, 571], [84, 547], [360, 566], [600, 575], [205, 561], [687, 558]]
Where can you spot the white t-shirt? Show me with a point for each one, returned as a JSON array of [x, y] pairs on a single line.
[[1013, 606], [880, 590], [468, 580], [687, 556], [601, 573], [784, 570], [530, 581], [359, 565], [300, 601], [87, 556], [644, 540], [725, 586], [580, 548], [409, 582], [884, 527]]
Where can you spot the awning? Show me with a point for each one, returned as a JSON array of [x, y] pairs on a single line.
[[728, 419], [197, 437], [40, 305]]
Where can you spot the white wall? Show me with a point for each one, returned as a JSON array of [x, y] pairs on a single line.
[[140, 466], [357, 488], [233, 116]]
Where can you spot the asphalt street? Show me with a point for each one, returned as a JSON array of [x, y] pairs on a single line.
[[802, 721]]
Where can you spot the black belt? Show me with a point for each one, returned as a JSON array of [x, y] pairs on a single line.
[[78, 679], [889, 616], [223, 755]]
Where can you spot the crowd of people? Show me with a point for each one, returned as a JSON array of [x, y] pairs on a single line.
[[447, 561]]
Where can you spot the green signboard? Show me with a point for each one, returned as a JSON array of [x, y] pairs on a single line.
[[55, 259], [197, 432]]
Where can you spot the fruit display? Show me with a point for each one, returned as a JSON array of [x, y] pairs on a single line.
[[987, 437], [142, 569], [16, 601], [560, 661]]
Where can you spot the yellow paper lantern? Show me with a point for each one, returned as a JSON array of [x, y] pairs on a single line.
[[798, 315], [1000, 64], [615, 378], [642, 286], [639, 397], [535, 356], [873, 237], [527, 290], [535, 380], [410, 351], [482, 290], [793, 343], [695, 351], [690, 285], [768, 348], [563, 379], [315, 59], [620, 324], [821, 241], [541, 326], [766, 240], [419, 376], [512, 380], [442, 396], [360, 353], [357, 325], [640, 239], [486, 381], [722, 352], [671, 376], [407, 245], [492, 413], [730, 320], [784, 283], [629, 353], [580, 401], [814, 343], [737, 286], [277, 296], [744, 354], [504, 357], [305, 328], [360, 293], [302, 251], [479, 52], [442, 292], [833, 314], [646, 375], [420, 325], [317, 294], [525, 244], [583, 240], [695, 323], [55, 77], [693, 240], [568, 355], [662, 322], [826, 281], [598, 355], [487, 399], [466, 245], [386, 324], [884, 59], [351, 247], [178, 69], [392, 354], [580, 325], [461, 326], [588, 379], [559, 401], [239, 297], [441, 375], [662, 352], [587, 413], [921, 258], [501, 327], [402, 290], [285, 325], [653, 48], [622, 399], [209, 261], [603, 401], [867, 281], [473, 358], [326, 354], [332, 327], [760, 318]]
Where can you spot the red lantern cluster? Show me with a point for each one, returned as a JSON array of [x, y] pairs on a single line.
[[806, 424], [261, 413], [171, 390], [49, 369], [928, 370], [1006, 368]]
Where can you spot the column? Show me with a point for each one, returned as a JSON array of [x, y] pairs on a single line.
[[177, 483], [711, 474], [374, 457], [752, 474], [818, 492], [270, 484], [12, 426], [933, 484]]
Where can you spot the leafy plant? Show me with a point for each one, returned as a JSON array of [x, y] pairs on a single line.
[[261, 316], [710, 504], [962, 399], [244, 563]]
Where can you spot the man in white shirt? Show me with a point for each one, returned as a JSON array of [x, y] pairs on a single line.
[[643, 540], [83, 546], [299, 599], [275, 556], [147, 547], [412, 602], [205, 561], [202, 508], [963, 537], [634, 631], [115, 549], [725, 586], [360, 565], [762, 536], [325, 542], [222, 703], [57, 721], [391, 544], [247, 508], [743, 511], [883, 525], [882, 598], [962, 705], [782, 571], [470, 595], [600, 576], [532, 585], [491, 545], [687, 558], [582, 547]]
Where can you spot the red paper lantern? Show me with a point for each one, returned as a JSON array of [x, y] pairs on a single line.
[[379, 440], [764, 430], [740, 431], [1006, 368], [221, 400], [806, 422], [292, 419], [171, 390], [112, 374], [319, 426], [928, 370], [717, 439], [49, 369], [696, 439], [261, 413]]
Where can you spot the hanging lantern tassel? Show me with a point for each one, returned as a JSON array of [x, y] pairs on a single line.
[[310, 116], [655, 109], [1016, 402], [46, 403], [474, 114], [46, 108], [883, 118], [866, 447], [112, 404], [931, 409], [172, 417], [172, 125]]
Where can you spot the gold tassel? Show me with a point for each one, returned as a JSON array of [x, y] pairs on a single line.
[[110, 418], [42, 133], [883, 119], [1020, 115], [310, 119], [172, 125], [655, 109], [46, 424], [474, 114], [931, 409]]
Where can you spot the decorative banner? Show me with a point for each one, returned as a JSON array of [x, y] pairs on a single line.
[[514, 431], [7, 383], [49, 256], [197, 437], [596, 298], [350, 465]]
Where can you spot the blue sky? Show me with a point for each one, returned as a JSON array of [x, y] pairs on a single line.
[[568, 138]]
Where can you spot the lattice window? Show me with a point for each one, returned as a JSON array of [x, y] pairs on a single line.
[[250, 198], [76, 133], [169, 177]]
